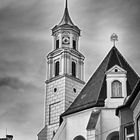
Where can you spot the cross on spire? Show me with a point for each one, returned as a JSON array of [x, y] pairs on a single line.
[[114, 38]]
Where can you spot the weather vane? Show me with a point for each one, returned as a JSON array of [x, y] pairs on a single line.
[[114, 38]]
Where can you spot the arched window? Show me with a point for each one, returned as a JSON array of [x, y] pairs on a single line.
[[116, 89], [74, 69], [57, 68], [74, 44], [113, 136], [79, 138], [57, 44]]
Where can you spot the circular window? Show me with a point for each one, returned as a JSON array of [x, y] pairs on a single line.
[[55, 89], [116, 70], [74, 89]]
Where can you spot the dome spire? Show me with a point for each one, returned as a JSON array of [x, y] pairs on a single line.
[[66, 18], [66, 22]]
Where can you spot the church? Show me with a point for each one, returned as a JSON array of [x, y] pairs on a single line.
[[75, 110]]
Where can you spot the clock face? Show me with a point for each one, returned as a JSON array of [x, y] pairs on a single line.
[[66, 40]]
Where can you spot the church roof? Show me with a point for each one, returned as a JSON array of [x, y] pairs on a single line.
[[94, 92]]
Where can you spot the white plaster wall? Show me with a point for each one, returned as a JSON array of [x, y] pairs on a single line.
[[109, 123], [76, 125], [91, 135], [112, 76]]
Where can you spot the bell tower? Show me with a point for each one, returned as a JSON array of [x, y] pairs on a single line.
[[65, 74]]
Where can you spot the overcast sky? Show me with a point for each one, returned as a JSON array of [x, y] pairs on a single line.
[[25, 40]]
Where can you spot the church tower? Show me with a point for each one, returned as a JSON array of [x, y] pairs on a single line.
[[65, 74]]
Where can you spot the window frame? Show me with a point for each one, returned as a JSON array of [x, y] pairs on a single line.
[[74, 44], [50, 116], [73, 68], [79, 137], [57, 68], [57, 44], [113, 92], [128, 136]]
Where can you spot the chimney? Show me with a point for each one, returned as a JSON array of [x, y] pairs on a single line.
[[9, 137]]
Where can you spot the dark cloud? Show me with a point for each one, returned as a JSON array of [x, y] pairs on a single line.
[[19, 102], [15, 83]]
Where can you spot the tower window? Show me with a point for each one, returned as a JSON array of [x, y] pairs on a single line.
[[57, 44], [57, 68], [74, 69], [116, 89], [74, 44]]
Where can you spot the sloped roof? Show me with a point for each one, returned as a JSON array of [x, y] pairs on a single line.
[[93, 120], [43, 132], [94, 92], [66, 18]]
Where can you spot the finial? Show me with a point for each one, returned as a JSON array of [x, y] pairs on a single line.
[[66, 4], [114, 38]]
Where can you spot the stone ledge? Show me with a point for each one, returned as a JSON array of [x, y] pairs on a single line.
[[61, 76]]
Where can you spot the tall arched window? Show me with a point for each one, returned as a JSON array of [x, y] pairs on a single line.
[[57, 68], [74, 69], [74, 44], [113, 136], [57, 44], [116, 89]]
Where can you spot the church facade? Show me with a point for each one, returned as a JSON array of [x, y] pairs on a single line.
[[74, 111]]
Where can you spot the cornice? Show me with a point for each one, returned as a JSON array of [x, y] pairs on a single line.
[[61, 76]]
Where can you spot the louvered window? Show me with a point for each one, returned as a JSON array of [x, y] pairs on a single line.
[[74, 69], [57, 68], [57, 44], [116, 89]]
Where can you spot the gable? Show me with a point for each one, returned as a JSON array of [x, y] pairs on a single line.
[[116, 69]]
